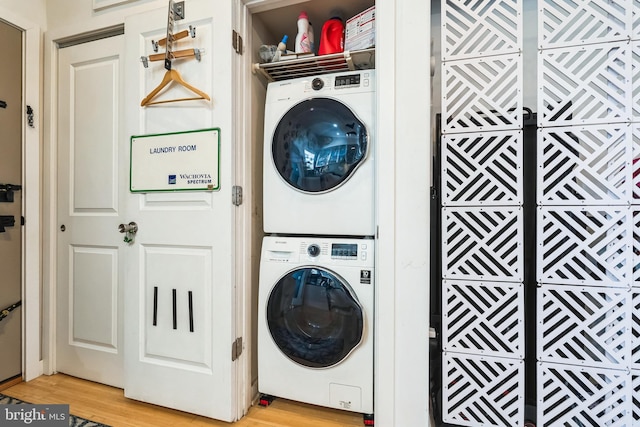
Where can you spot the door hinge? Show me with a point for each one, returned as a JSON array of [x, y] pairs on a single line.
[[237, 42], [236, 195], [236, 349]]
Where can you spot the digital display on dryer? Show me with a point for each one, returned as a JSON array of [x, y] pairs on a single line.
[[344, 251], [352, 80]]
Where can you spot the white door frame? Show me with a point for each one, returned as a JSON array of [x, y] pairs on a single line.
[[31, 154], [401, 369]]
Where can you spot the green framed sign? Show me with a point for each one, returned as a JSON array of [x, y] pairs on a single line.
[[179, 161]]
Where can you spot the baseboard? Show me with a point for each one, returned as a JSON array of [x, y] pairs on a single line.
[[10, 382]]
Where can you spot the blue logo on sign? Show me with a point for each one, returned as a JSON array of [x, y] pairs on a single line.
[[172, 179]]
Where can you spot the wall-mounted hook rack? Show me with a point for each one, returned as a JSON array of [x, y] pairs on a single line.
[[6, 221], [6, 192], [178, 10]]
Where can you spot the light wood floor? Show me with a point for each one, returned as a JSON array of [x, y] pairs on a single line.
[[108, 405]]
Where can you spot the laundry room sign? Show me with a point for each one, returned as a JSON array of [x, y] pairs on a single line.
[[180, 161]]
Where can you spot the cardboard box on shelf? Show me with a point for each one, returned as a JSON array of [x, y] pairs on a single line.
[[360, 31]]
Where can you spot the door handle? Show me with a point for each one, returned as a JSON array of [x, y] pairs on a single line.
[[131, 228], [129, 231]]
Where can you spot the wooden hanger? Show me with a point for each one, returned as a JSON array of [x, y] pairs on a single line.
[[184, 53], [173, 76], [177, 36]]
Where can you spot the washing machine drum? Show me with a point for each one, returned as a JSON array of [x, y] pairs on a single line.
[[314, 318], [318, 144]]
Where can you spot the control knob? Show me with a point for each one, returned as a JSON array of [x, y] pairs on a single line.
[[317, 83], [313, 250]]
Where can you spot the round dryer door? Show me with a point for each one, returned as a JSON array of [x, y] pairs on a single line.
[[314, 317], [318, 144]]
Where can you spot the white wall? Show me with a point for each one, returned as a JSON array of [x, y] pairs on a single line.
[[404, 178], [72, 17], [33, 10]]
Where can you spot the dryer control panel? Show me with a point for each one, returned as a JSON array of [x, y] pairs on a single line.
[[347, 81]]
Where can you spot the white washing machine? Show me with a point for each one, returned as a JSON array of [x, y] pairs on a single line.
[[315, 321], [318, 155]]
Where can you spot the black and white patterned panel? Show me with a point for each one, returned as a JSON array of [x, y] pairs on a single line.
[[583, 21], [482, 94], [635, 375], [587, 165], [479, 28], [635, 330], [635, 18], [583, 396], [588, 243], [635, 79], [585, 246], [482, 218], [483, 168], [585, 326], [585, 84], [483, 318], [482, 243], [482, 391]]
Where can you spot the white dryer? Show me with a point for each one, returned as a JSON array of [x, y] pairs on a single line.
[[315, 321], [318, 155]]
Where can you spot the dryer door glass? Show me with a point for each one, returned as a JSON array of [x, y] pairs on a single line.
[[318, 144], [314, 317]]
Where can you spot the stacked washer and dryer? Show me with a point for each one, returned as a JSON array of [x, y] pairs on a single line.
[[316, 290]]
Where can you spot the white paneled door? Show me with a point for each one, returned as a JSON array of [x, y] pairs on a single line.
[[151, 312], [91, 198], [180, 292]]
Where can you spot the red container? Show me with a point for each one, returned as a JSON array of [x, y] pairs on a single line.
[[332, 37]]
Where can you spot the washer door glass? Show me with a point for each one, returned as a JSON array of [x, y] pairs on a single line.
[[313, 317], [318, 144]]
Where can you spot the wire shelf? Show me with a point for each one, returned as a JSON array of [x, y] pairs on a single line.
[[317, 65]]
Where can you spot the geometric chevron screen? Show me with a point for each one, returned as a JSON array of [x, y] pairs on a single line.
[[587, 237], [481, 209], [588, 195]]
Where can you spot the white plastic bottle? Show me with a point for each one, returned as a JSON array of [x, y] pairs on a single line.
[[312, 42], [303, 44]]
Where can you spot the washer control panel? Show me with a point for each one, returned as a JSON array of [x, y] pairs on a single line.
[[321, 251], [344, 251]]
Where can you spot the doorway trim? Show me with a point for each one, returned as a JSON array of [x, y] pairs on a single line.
[[31, 205], [401, 371]]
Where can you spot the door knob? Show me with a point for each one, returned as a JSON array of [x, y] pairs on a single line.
[[131, 228], [129, 231]]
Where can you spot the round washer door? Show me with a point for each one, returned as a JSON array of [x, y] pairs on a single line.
[[318, 144], [314, 318]]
